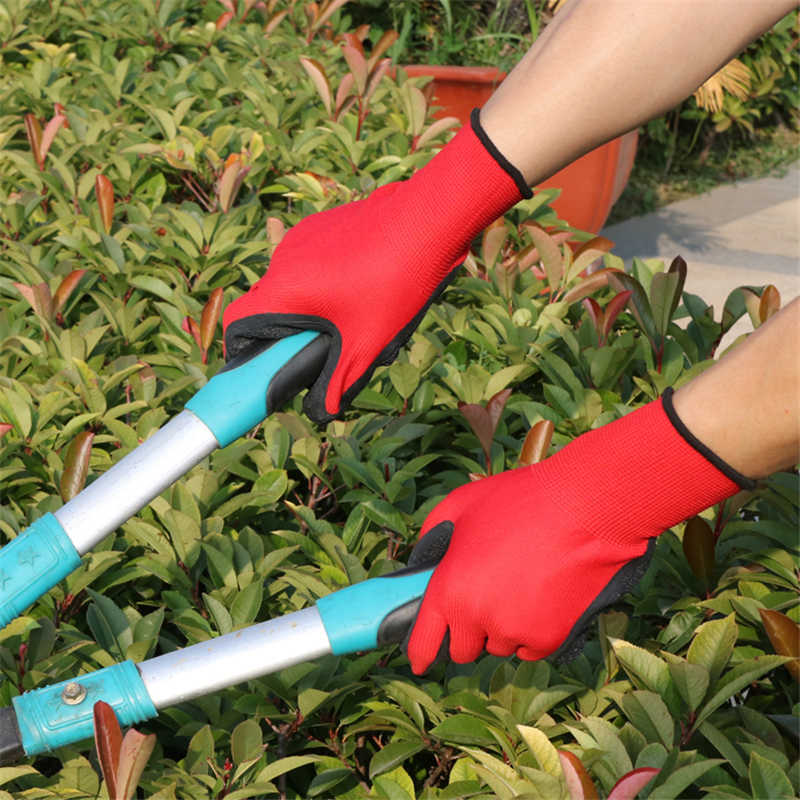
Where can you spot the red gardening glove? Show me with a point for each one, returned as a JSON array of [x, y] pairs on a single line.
[[527, 558], [365, 273]]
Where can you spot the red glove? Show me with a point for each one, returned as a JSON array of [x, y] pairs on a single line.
[[365, 273], [533, 554]]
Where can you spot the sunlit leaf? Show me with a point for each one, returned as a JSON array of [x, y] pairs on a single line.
[[108, 742], [494, 237], [134, 753], [769, 304], [76, 465], [784, 634], [537, 443], [210, 318], [358, 66], [549, 253], [104, 191], [579, 785], [318, 77], [629, 785], [66, 288]]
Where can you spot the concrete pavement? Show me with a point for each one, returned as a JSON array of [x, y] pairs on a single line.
[[747, 233]]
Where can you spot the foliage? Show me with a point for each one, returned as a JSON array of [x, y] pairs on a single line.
[[211, 145]]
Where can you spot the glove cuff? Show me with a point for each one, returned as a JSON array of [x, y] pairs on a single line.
[[483, 137], [723, 466]]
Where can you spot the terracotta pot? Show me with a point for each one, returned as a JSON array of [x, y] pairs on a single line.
[[589, 186]]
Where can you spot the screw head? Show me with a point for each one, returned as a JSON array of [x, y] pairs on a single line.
[[73, 693]]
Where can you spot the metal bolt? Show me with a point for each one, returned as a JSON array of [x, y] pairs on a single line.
[[73, 693]]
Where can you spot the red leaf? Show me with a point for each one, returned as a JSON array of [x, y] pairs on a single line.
[[210, 318], [785, 637], [5, 427], [76, 465], [494, 237], [33, 130], [597, 280], [50, 131], [698, 546], [481, 424], [628, 786], [613, 310], [595, 314], [770, 303], [537, 443], [66, 288], [579, 784], [353, 40], [134, 753], [495, 407], [223, 19], [193, 329], [598, 243], [108, 741], [358, 66], [104, 191], [275, 230], [39, 298], [381, 46]]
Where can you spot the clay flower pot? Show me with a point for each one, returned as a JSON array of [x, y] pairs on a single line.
[[589, 186]]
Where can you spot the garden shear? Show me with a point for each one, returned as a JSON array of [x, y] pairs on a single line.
[[360, 617], [235, 400]]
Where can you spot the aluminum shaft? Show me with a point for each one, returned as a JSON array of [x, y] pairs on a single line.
[[235, 657], [131, 484]]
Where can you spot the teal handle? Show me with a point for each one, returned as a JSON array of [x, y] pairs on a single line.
[[48, 718], [237, 399], [355, 616], [32, 564]]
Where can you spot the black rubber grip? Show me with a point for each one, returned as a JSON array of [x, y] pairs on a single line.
[[11, 749]]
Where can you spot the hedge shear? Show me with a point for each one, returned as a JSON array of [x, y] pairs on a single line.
[[363, 616], [234, 401]]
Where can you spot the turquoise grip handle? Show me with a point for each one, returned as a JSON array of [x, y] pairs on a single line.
[[51, 717], [235, 401], [353, 616], [32, 564]]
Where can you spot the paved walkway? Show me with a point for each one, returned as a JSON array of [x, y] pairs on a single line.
[[747, 233]]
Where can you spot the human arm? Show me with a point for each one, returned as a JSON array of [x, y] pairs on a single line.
[[603, 67], [364, 273], [532, 555]]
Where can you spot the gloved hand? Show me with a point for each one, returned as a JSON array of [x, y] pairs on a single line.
[[365, 272], [527, 558]]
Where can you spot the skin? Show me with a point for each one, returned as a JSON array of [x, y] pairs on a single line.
[[604, 67]]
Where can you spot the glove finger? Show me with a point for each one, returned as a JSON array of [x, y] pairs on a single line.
[[499, 646], [466, 643], [530, 654], [425, 640]]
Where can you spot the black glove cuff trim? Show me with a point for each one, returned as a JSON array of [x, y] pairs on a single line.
[[516, 175], [726, 469]]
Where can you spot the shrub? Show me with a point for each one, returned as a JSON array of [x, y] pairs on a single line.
[[151, 156]]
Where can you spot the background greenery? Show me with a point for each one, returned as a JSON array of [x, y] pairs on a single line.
[[689, 150], [151, 154]]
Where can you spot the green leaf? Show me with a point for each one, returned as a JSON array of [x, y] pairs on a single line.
[[735, 680], [246, 741], [713, 645], [725, 747], [284, 765], [542, 748], [647, 711], [691, 680], [392, 755], [464, 729], [247, 604], [326, 780], [201, 749], [767, 779], [683, 777]]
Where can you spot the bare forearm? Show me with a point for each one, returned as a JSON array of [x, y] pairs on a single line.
[[746, 408], [603, 67]]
